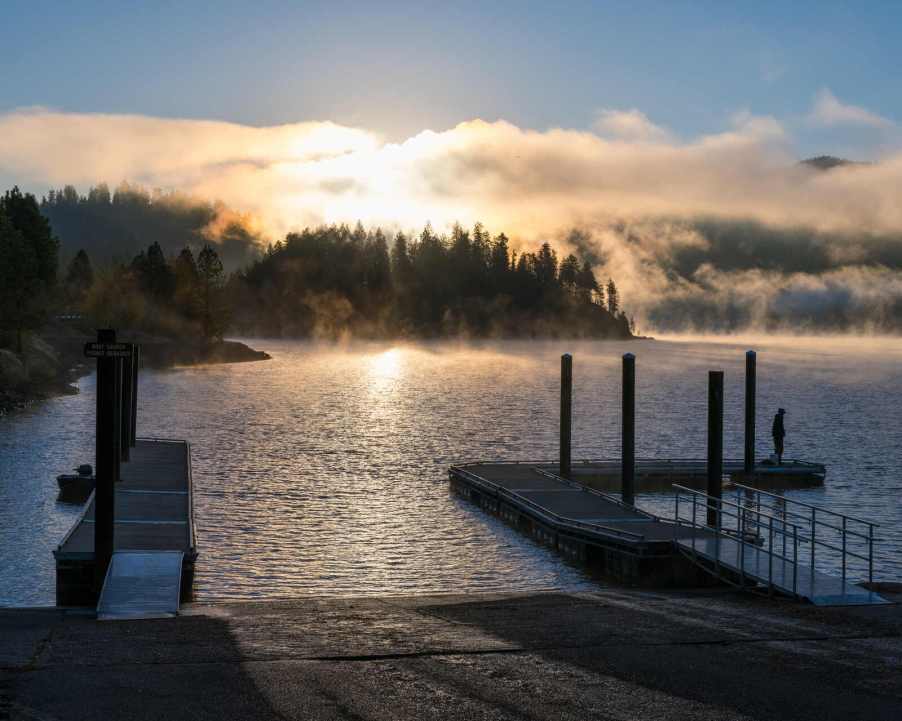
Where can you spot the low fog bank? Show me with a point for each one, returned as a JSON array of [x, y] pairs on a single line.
[[725, 276]]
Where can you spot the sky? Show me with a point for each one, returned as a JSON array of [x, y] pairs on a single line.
[[399, 68]]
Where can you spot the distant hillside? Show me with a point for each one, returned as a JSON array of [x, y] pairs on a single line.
[[827, 162]]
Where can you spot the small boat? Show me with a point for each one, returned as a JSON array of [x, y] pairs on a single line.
[[78, 484]]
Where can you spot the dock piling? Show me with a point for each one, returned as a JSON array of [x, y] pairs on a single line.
[[628, 437], [750, 393], [133, 410], [566, 412], [715, 444], [106, 462], [125, 410]]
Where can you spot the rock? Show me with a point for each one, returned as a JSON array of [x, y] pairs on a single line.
[[12, 371], [41, 361]]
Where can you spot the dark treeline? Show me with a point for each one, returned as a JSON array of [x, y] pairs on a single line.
[[116, 225], [326, 282], [335, 280], [28, 267]]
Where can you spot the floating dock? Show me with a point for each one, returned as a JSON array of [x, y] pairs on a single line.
[[154, 513], [658, 474], [586, 525], [746, 543]]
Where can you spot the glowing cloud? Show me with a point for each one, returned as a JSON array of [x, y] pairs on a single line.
[[524, 181]]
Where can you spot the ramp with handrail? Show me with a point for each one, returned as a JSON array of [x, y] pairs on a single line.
[[770, 542]]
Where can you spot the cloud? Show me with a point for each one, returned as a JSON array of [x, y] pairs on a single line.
[[527, 182], [828, 111], [631, 125]]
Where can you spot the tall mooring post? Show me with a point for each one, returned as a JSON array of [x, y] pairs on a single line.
[[107, 453], [133, 423], [628, 436], [715, 443], [125, 410], [566, 412], [750, 392]]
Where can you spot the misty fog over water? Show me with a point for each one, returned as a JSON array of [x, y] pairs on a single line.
[[323, 471]]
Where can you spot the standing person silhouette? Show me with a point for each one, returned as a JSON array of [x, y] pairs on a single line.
[[779, 433]]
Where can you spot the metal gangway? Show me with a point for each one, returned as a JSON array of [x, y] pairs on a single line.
[[767, 542], [141, 584]]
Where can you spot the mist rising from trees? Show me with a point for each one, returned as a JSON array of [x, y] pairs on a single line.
[[334, 280], [116, 225]]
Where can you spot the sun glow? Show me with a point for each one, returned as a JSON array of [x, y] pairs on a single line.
[[385, 367]]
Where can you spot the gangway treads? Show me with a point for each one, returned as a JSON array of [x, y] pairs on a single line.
[[817, 587], [141, 584]]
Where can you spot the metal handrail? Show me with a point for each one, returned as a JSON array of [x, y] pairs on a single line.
[[740, 535], [812, 520], [820, 509], [597, 492], [730, 503]]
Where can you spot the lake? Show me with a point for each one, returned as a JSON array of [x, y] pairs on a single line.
[[324, 470]]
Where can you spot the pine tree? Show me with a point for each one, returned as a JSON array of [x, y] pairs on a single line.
[[569, 272], [213, 316], [586, 284], [79, 276], [613, 298]]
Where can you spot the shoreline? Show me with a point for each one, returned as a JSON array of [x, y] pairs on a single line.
[[70, 365]]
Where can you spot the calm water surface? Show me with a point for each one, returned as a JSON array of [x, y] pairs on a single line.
[[323, 471]]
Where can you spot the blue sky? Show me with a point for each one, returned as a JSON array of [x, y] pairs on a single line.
[[398, 68]]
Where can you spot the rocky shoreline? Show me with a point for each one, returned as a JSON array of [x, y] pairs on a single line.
[[49, 365]]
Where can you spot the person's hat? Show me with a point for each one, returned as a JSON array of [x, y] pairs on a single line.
[[781, 410]]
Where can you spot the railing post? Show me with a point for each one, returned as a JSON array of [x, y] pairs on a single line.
[[715, 443], [750, 392], [795, 558], [870, 553], [741, 535], [628, 436], [770, 555], [813, 534], [566, 412], [718, 528], [844, 551]]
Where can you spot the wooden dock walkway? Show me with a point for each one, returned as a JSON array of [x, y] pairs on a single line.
[[153, 512]]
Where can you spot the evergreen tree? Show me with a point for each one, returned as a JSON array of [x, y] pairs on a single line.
[[19, 281], [154, 274], [546, 266], [569, 272], [613, 298], [24, 213], [79, 277], [213, 315], [586, 284], [401, 265], [28, 263], [187, 284]]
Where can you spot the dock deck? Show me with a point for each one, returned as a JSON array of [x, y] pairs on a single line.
[[639, 548], [153, 512], [582, 523]]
